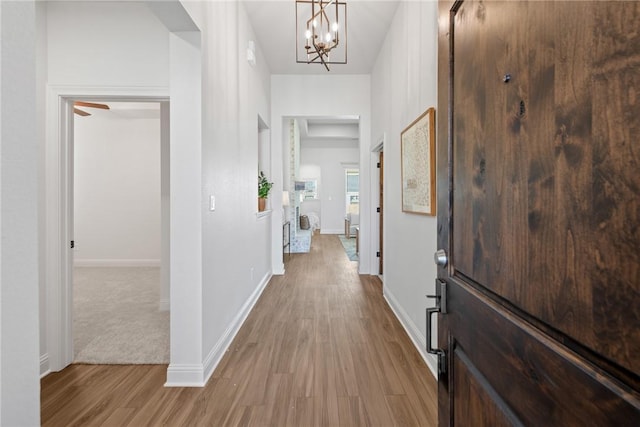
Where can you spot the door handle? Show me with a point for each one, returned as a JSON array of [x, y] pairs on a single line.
[[430, 348], [441, 307], [440, 257], [442, 356]]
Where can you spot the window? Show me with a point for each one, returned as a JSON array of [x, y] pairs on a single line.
[[352, 180], [309, 189]]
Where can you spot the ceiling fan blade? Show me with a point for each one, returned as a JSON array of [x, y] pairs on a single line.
[[80, 112], [91, 105]]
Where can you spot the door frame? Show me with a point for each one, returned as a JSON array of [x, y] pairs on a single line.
[[59, 209], [377, 226], [381, 212], [444, 180]]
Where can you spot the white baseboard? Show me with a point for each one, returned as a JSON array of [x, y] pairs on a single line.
[[279, 271], [44, 365], [332, 231], [217, 352], [185, 376], [116, 262], [419, 341], [198, 375]]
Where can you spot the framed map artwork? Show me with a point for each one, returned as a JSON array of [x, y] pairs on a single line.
[[418, 156]]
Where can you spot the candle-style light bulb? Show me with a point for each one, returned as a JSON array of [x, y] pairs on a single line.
[[334, 27]]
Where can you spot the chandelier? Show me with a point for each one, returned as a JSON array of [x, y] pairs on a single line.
[[321, 32]]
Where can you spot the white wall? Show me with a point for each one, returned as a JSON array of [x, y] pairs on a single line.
[[236, 242], [41, 105], [165, 205], [216, 276], [328, 161], [19, 385], [107, 44], [117, 190], [321, 95], [103, 50], [403, 86], [186, 209]]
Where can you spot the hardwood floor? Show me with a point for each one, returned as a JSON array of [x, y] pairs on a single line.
[[320, 348]]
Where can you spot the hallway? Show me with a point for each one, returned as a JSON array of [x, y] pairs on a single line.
[[321, 347]]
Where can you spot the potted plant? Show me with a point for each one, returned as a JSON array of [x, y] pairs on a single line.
[[264, 187]]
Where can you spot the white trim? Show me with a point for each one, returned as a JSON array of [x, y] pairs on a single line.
[[379, 143], [280, 270], [198, 375], [57, 234], [412, 330], [44, 365], [164, 304], [263, 214], [351, 165], [217, 352], [116, 263], [184, 376], [58, 256], [332, 231], [111, 93]]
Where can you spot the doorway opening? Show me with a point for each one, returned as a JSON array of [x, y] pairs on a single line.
[[317, 152], [120, 306], [60, 210]]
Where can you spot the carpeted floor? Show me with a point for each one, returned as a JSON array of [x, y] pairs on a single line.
[[349, 245], [116, 317]]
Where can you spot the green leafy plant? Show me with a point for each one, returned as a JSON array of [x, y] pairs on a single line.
[[264, 186]]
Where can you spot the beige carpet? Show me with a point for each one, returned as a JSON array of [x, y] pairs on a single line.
[[116, 319]]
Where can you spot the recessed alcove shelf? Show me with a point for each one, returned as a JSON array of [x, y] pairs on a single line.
[[263, 214]]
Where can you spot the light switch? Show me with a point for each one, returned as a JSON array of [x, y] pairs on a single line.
[[212, 203]]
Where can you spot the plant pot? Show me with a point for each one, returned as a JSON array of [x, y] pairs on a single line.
[[262, 203]]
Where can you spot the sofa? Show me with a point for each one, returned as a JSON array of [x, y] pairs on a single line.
[[351, 221]]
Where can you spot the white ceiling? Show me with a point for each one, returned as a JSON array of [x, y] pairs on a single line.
[[368, 22], [338, 131], [124, 110], [274, 24]]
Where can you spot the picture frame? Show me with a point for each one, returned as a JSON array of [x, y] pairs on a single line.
[[418, 168]]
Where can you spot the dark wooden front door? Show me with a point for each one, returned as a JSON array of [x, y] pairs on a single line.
[[539, 212]]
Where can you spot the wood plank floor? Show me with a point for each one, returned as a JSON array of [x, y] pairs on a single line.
[[320, 348]]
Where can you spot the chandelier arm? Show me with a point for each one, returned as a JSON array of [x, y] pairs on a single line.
[[324, 63], [324, 36]]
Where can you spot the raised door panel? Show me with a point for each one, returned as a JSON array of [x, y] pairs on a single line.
[[476, 403], [546, 189], [506, 372]]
